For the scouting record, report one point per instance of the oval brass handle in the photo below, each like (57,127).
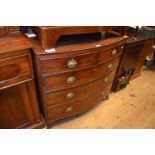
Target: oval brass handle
(110,66)
(71,63)
(114,52)
(102,93)
(106,79)
(70,95)
(71,80)
(69,109)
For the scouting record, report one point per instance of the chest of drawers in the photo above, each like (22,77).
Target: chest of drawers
(18,100)
(74,78)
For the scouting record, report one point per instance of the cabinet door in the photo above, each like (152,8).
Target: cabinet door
(16,107)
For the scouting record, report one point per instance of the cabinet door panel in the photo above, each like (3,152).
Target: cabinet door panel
(15,107)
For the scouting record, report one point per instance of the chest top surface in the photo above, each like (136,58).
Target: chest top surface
(78,43)
(14,43)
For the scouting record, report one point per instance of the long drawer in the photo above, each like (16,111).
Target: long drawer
(15,69)
(75,78)
(70,95)
(67,110)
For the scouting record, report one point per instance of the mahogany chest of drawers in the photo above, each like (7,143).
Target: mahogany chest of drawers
(75,77)
(18,100)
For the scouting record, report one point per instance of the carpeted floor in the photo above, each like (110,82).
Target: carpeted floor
(132,107)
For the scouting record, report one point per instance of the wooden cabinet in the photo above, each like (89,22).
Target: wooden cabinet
(146,50)
(128,65)
(138,46)
(76,76)
(18,106)
(18,99)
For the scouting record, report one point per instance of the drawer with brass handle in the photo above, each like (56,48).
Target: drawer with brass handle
(75,78)
(105,55)
(63,111)
(50,65)
(72,94)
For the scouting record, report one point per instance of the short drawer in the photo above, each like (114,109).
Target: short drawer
(67,110)
(70,95)
(64,64)
(104,55)
(15,69)
(75,78)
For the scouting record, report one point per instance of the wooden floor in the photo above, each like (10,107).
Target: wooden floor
(132,107)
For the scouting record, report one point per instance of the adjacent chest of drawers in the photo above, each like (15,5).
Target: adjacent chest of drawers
(74,78)
(18,100)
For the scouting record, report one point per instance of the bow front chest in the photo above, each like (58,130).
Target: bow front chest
(73,77)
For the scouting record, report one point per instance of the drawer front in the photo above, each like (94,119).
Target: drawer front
(70,95)
(110,53)
(72,79)
(60,65)
(67,110)
(14,70)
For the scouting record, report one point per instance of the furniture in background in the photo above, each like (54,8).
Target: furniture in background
(138,45)
(127,67)
(76,74)
(49,35)
(18,99)
(148,32)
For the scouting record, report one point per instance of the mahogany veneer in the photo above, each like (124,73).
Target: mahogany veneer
(18,98)
(75,77)
(8,30)
(49,35)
